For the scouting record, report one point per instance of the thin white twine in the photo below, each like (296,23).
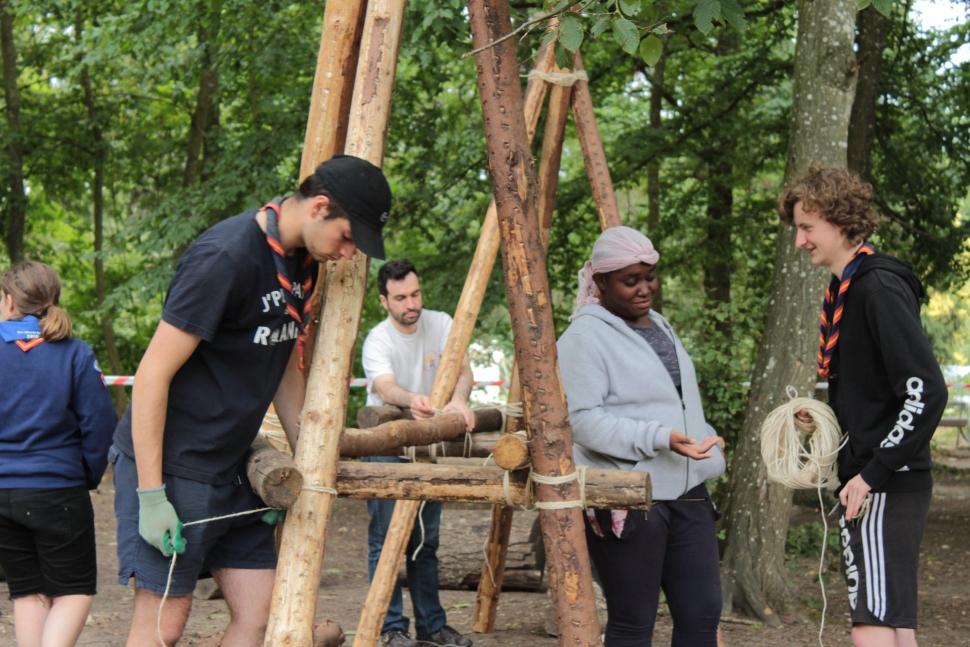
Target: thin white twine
(417,550)
(800,454)
(171,566)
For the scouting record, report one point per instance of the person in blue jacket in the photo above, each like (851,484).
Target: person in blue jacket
(56,422)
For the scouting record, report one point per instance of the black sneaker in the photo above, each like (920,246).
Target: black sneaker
(400,639)
(447,637)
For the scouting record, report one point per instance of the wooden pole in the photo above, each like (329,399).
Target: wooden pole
(477,483)
(304,533)
(327,120)
(523,258)
(397,434)
(470,302)
(593,155)
(512,452)
(273,475)
(487,419)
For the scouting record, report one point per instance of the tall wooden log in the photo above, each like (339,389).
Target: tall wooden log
(523,258)
(512,452)
(476,483)
(550,159)
(470,302)
(304,533)
(327,120)
(593,155)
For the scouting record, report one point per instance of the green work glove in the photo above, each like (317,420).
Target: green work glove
(273,517)
(157,522)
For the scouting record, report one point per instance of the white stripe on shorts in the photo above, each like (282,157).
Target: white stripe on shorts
(874,555)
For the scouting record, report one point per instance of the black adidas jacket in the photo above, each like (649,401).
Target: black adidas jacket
(885,384)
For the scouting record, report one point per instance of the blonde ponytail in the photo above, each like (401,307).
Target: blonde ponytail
(56,324)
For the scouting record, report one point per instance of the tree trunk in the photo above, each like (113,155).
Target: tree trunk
(873,30)
(17,203)
(514,187)
(653,168)
(303,538)
(717,261)
(99,160)
(754,575)
(206,100)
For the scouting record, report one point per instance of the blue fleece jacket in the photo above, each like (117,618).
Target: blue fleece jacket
(56,417)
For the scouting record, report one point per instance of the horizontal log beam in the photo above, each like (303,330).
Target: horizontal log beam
(424,482)
(487,419)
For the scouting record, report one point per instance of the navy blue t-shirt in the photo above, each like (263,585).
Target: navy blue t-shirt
(225,291)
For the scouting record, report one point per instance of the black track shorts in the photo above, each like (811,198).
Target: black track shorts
(880,558)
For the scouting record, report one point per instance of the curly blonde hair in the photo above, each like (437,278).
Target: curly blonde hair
(837,195)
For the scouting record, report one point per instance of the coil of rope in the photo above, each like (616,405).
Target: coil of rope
(800,442)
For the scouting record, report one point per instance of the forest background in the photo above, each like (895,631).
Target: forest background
(130,127)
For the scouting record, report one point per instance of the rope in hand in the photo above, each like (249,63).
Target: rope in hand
(800,441)
(171,566)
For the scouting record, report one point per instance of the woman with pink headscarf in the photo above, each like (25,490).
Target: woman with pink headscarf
(634,404)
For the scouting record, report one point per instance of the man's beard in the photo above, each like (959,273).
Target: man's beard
(403,317)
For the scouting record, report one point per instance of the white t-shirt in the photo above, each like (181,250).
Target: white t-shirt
(411,359)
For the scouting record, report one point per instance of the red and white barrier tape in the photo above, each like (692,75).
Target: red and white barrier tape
(357,382)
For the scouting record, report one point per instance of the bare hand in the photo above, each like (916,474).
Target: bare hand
(421,407)
(852,496)
(462,408)
(685,445)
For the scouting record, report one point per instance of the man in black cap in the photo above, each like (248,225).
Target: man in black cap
(229,343)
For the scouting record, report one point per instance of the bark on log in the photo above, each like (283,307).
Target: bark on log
(523,258)
(328,118)
(426,482)
(593,155)
(304,532)
(273,475)
(372,416)
(402,521)
(492,572)
(398,434)
(489,419)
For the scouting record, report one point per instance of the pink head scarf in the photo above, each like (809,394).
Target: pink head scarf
(616,248)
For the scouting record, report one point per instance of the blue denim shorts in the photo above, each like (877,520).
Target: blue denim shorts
(242,542)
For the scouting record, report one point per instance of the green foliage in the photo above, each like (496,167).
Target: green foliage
(805,540)
(726,101)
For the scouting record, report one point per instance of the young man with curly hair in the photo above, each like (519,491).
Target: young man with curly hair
(887,391)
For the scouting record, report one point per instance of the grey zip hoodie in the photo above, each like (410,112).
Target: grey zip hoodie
(623,404)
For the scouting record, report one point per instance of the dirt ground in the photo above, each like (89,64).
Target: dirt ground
(944,584)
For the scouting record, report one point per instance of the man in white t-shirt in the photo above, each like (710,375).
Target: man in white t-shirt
(401,355)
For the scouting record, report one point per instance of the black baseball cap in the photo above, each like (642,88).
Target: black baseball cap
(363,192)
